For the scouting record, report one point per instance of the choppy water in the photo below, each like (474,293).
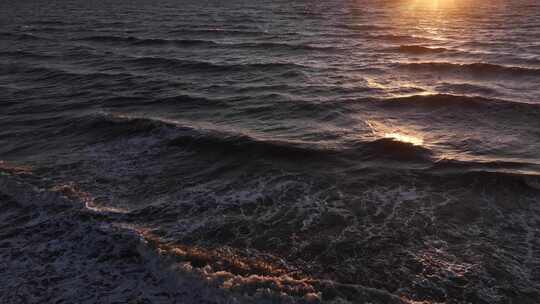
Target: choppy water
(280,151)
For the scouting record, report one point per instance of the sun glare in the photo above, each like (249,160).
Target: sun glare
(432,4)
(402,134)
(417,141)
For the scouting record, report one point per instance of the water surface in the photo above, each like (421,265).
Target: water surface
(364,150)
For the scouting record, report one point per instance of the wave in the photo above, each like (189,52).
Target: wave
(389,148)
(509,174)
(57,74)
(217,31)
(235,143)
(148,41)
(190,136)
(24,54)
(50,22)
(398,38)
(135,41)
(49,224)
(283,46)
(215,140)
(419,50)
(449,164)
(21,36)
(467,88)
(199,66)
(182,101)
(474,69)
(243,144)
(366,27)
(98,246)
(456,101)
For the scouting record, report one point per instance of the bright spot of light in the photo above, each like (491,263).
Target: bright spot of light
(417,141)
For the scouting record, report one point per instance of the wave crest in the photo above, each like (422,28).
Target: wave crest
(473,69)
(418,49)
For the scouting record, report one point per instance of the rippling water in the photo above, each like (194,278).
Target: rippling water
(280,151)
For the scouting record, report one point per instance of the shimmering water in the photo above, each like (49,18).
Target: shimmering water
(273,150)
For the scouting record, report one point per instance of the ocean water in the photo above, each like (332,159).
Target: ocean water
(270,151)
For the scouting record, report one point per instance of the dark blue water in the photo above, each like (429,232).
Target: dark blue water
(286,151)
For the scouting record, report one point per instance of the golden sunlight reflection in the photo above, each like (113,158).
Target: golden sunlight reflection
(402,134)
(417,141)
(398,87)
(433,4)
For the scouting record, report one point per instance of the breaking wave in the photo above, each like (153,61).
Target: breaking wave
(54,224)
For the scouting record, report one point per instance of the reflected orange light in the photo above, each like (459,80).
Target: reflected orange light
(402,134)
(433,4)
(417,141)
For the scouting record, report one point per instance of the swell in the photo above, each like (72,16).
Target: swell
(419,49)
(457,102)
(244,145)
(148,41)
(200,66)
(135,41)
(21,36)
(239,144)
(188,136)
(449,165)
(24,54)
(366,27)
(467,88)
(50,22)
(388,148)
(55,74)
(234,143)
(283,46)
(183,101)
(397,38)
(474,69)
(508,175)
(217,32)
